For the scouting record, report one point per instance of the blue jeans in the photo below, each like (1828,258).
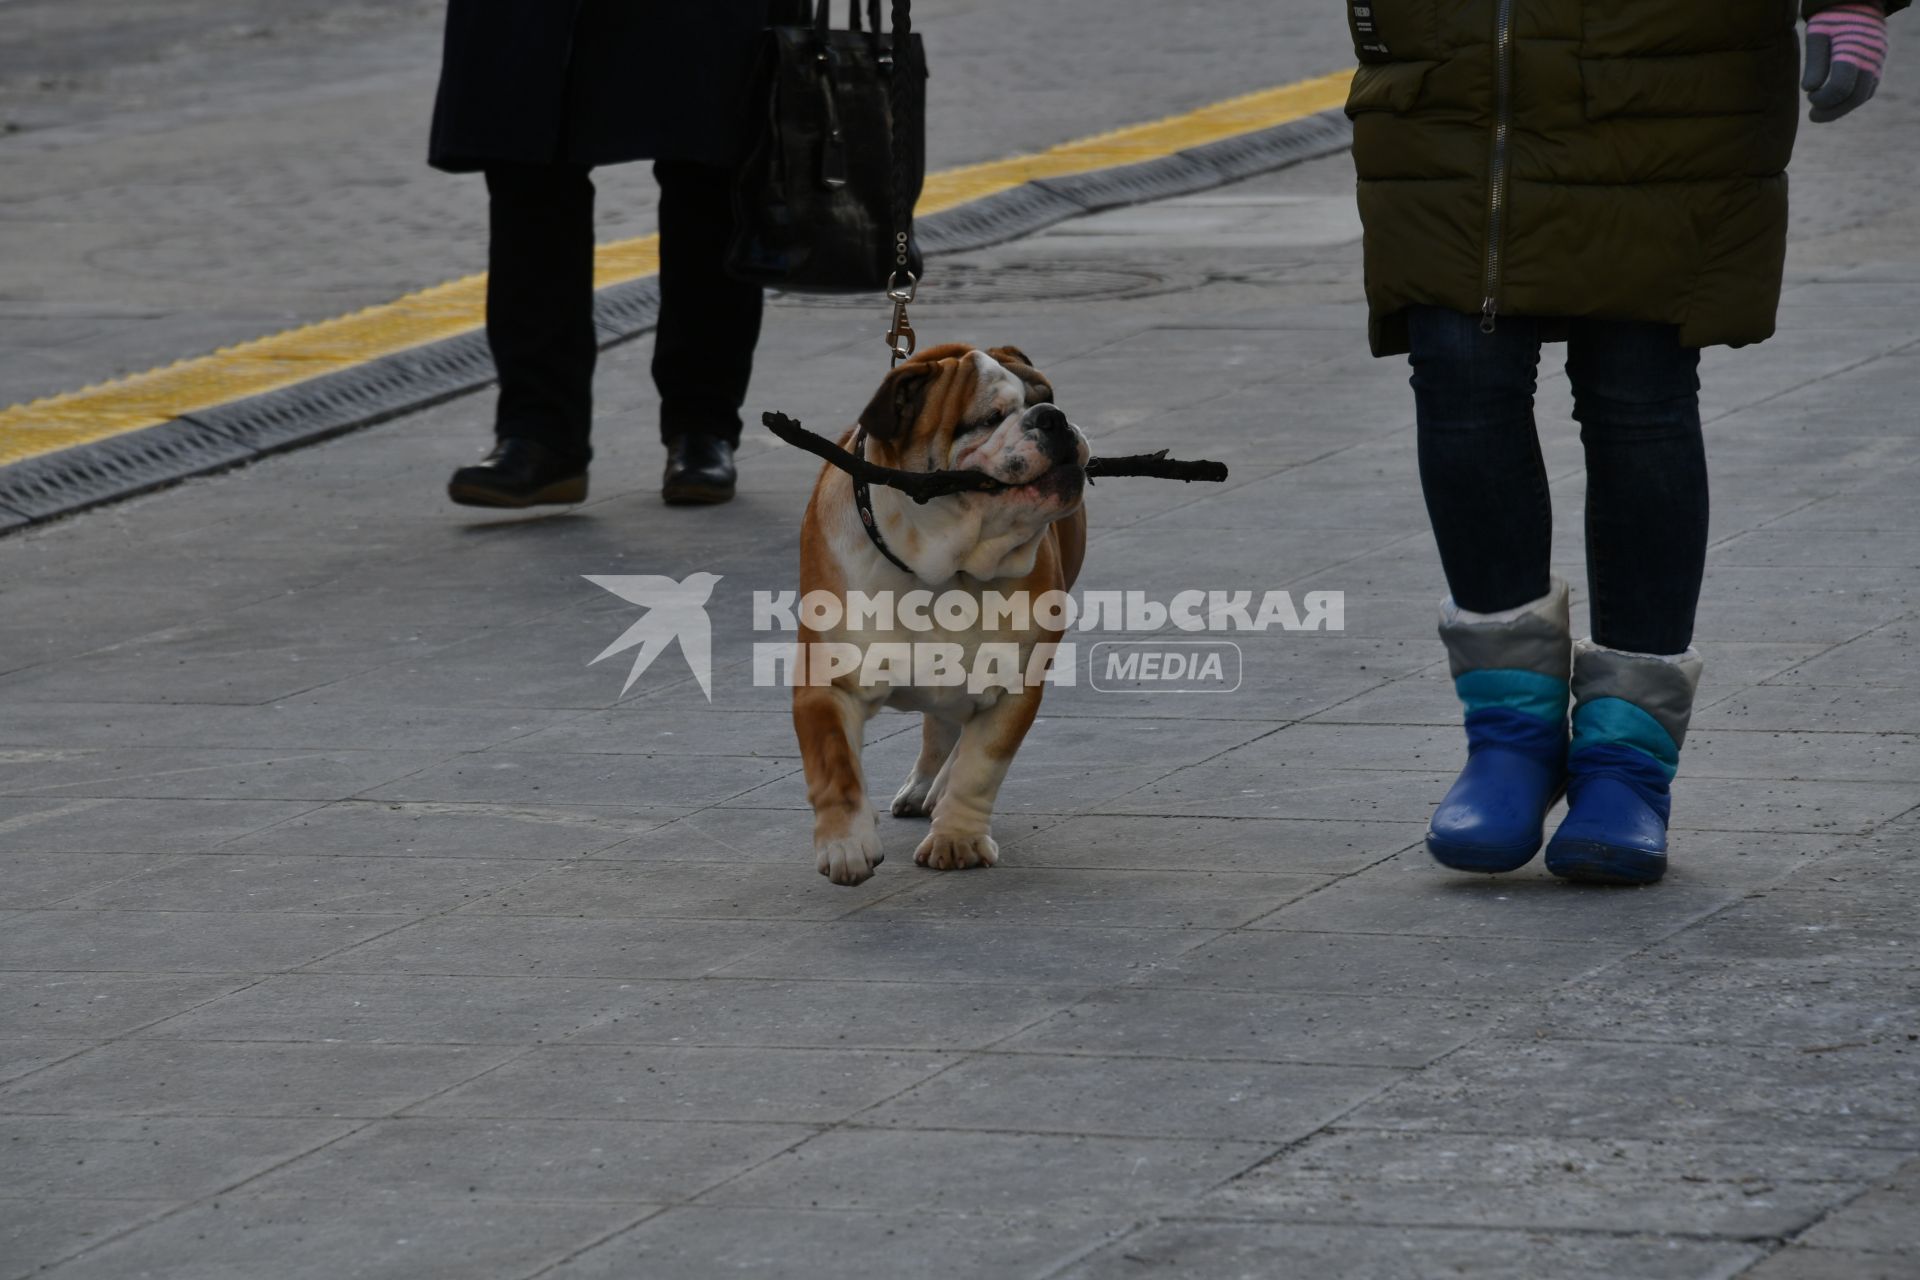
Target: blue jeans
(1636,394)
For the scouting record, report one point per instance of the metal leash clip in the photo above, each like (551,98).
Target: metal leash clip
(901,339)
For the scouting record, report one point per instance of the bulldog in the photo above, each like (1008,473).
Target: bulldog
(949,407)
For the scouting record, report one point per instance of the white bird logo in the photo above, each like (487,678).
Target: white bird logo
(674,610)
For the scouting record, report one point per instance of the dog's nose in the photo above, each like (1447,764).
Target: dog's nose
(1050,424)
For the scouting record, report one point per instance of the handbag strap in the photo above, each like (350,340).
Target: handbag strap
(823,16)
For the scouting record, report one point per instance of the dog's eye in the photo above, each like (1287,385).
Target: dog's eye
(987,423)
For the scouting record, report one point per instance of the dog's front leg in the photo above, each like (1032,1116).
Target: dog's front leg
(831,725)
(963,814)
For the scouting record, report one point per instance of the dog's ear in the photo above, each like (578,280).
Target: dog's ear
(897,403)
(1020,365)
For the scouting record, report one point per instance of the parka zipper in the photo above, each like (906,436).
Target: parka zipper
(1497,165)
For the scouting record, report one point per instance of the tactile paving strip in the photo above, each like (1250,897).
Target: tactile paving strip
(353,398)
(227,435)
(1308,138)
(1174,175)
(117,467)
(995,219)
(624,311)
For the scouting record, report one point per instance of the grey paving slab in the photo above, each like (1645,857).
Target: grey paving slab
(529,946)
(1219,1251)
(1787,809)
(855,1012)
(1870,514)
(1798,1263)
(167,1159)
(880,1169)
(1294,846)
(1300,789)
(421,1161)
(155,773)
(1859,1096)
(1812,1004)
(1405,896)
(98,1006)
(912,1242)
(1275,1026)
(1828,756)
(1789,707)
(1879,1222)
(226,662)
(1179,899)
(1835,550)
(36,1232)
(42,879)
(1133,1097)
(60,939)
(1746,1190)
(515,827)
(158,1078)
(264,882)
(724,834)
(1380,964)
(1791,924)
(761,1085)
(1882,657)
(628,890)
(306,1239)
(624,731)
(96,825)
(585,779)
(21,1057)
(397,1008)
(88,723)
(946,951)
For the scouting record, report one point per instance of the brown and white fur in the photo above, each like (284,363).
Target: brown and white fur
(949,407)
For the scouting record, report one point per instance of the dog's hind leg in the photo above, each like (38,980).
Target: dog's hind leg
(969,784)
(921,791)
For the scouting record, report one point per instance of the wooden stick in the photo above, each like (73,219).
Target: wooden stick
(922,486)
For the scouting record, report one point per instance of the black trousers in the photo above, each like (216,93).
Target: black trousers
(1636,395)
(540,305)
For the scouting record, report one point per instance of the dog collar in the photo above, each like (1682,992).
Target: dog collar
(863,503)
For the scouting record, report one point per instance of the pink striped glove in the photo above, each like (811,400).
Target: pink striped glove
(1846,50)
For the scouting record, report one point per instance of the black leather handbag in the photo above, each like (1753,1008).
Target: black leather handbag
(824,201)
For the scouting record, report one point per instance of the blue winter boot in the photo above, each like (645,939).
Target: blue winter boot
(1630,717)
(1510,670)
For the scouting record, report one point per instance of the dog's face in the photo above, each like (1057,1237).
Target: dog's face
(956,407)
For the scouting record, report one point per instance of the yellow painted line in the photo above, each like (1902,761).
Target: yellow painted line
(458,306)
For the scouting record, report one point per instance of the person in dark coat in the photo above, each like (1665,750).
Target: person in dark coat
(1611,175)
(538,93)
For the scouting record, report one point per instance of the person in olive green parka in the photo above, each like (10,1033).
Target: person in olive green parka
(1612,174)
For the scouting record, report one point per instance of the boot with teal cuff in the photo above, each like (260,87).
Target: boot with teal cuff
(1510,670)
(1630,717)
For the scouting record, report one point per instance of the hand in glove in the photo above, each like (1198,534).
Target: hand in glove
(1846,49)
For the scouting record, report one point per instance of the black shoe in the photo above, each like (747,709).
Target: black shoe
(519,473)
(699,470)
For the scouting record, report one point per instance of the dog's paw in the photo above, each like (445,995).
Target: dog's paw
(951,851)
(915,799)
(850,858)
